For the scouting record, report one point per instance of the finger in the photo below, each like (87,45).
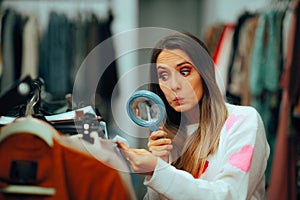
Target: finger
(159,142)
(124,150)
(161,148)
(122,145)
(157,132)
(157,135)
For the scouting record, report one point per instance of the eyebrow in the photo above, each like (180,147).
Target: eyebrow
(178,65)
(160,67)
(185,62)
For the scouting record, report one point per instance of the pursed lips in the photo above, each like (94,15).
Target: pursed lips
(178,100)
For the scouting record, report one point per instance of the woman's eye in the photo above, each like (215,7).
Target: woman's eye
(185,71)
(163,76)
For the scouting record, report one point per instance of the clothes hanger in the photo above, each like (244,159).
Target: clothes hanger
(23,189)
(29,124)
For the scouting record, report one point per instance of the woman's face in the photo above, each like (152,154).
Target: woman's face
(179,79)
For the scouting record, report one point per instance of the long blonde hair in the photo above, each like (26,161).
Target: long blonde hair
(191,152)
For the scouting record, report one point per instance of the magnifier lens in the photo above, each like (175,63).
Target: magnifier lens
(146,109)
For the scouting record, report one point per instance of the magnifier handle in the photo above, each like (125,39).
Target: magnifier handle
(154,128)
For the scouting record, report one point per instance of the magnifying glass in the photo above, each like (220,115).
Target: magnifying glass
(146,109)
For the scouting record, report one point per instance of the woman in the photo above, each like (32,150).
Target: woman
(207,148)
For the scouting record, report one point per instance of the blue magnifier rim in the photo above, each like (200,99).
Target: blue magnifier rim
(154,125)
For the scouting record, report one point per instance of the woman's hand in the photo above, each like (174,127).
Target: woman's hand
(159,145)
(140,161)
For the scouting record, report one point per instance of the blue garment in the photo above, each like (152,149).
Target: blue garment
(55,56)
(264,73)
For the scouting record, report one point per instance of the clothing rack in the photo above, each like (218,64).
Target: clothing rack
(26,93)
(79,34)
(274,109)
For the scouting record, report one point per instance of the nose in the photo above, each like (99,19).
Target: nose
(175,83)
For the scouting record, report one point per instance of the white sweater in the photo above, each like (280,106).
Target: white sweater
(235,172)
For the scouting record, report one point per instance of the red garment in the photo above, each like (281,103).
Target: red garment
(216,52)
(226,29)
(72,174)
(203,171)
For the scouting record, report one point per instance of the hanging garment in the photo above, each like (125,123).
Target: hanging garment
(238,65)
(31,160)
(79,31)
(101,69)
(30,52)
(9,21)
(265,65)
(212,36)
(106,152)
(282,181)
(222,60)
(264,73)
(55,56)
